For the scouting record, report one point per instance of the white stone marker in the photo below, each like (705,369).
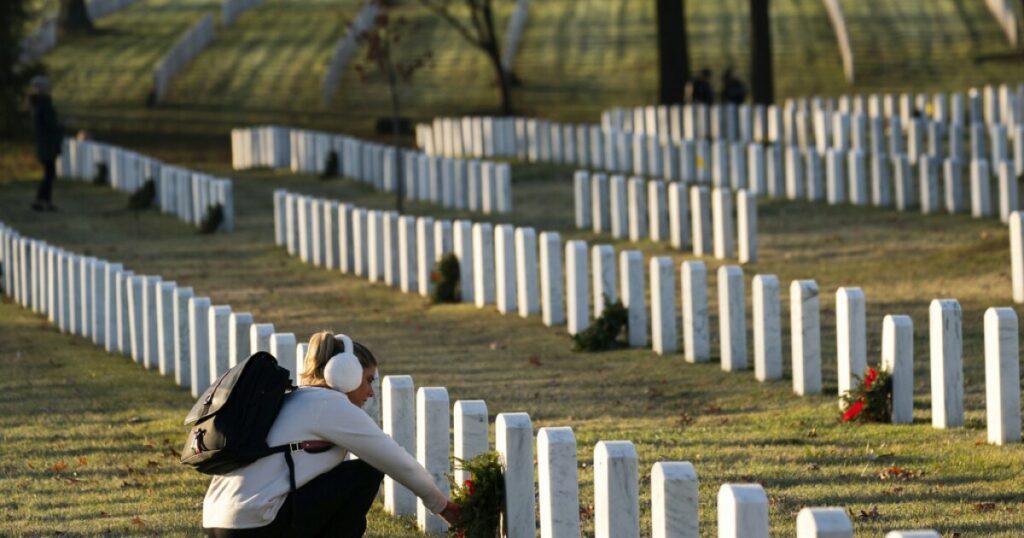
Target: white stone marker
(72,288)
(432,449)
(805,334)
(577,296)
(953,187)
(552,296)
(1002,376)
(84,276)
(398,412)
(721,213)
(674,500)
(732,319)
(1017,255)
(304,217)
(360,249)
(700,220)
(505,268)
(99,294)
(637,209)
(981,192)
(1007,189)
(835,171)
(150,342)
(664,325)
(182,337)
(317,240)
(483,264)
(657,211)
(199,347)
(425,255)
(947,370)
(133,293)
(239,338)
(375,245)
(282,347)
(858,174)
(851,337)
(619,218)
(881,186)
(696,333)
(462,235)
(746,223)
(470,434)
(678,215)
(407,243)
(632,290)
(604,286)
(742,511)
(913,534)
(528,299)
(823,523)
(220,340)
(259,337)
(600,203)
(928,168)
(557,483)
(616,490)
(390,250)
(166,332)
(513,440)
(898,360)
(767,328)
(583,199)
(346,238)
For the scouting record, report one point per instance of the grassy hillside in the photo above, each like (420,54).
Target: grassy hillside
(730,426)
(577,57)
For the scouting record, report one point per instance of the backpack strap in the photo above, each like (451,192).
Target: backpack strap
(313,447)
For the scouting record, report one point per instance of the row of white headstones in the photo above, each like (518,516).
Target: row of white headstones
(189,44)
(144,318)
(499,266)
(665,212)
(186,194)
(469,184)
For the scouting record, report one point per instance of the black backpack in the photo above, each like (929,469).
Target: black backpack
(229,423)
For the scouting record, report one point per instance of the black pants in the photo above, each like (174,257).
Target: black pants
(45,191)
(333,504)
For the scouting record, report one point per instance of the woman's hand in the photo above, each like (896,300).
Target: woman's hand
(451,513)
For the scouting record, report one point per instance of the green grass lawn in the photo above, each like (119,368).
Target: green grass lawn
(577,58)
(65,399)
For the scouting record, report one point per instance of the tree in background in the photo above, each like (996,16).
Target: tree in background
(479,32)
(14,76)
(673,51)
(74,17)
(381,58)
(762,80)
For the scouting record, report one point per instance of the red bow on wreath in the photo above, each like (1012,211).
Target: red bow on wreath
(858,406)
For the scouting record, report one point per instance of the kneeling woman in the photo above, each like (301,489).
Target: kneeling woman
(333,495)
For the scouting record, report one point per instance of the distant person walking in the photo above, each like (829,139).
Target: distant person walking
(700,90)
(733,89)
(49,139)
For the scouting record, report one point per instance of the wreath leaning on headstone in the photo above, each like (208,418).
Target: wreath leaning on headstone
(331,166)
(869,400)
(446,280)
(101,176)
(482,497)
(212,219)
(143,198)
(605,332)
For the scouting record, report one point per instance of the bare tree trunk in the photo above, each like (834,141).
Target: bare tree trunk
(673,51)
(74,17)
(396,138)
(494,52)
(762,81)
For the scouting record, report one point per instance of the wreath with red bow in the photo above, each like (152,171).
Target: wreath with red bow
(482,497)
(871,398)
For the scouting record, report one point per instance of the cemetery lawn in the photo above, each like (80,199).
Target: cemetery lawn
(268,67)
(65,399)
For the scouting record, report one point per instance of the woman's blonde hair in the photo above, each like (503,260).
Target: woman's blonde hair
(323,346)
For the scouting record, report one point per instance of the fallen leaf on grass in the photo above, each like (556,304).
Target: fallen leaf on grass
(82,460)
(984,507)
(586,512)
(685,420)
(58,467)
(103,514)
(30,466)
(534,360)
(152,463)
(137,521)
(712,408)
(861,515)
(898,473)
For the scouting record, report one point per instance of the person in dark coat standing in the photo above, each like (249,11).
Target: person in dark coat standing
(733,89)
(700,90)
(49,140)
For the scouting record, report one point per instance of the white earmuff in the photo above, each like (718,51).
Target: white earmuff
(343,371)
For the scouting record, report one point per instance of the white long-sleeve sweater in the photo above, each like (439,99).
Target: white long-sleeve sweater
(251,496)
